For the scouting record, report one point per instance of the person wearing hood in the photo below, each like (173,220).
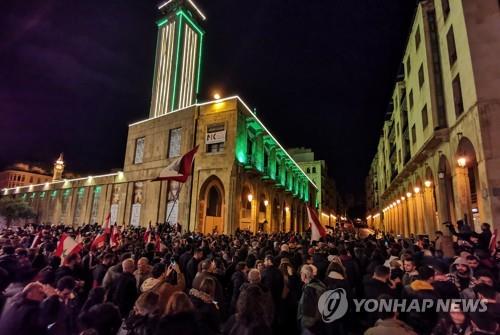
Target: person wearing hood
(207,309)
(461,274)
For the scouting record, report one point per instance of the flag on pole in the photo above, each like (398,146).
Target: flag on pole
(180,169)
(67,246)
(147,234)
(115,237)
(106,225)
(37,240)
(317,230)
(157,242)
(493,242)
(99,241)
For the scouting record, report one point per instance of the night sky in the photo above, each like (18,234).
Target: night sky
(74,74)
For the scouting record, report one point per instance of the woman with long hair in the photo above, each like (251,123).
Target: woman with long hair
(180,317)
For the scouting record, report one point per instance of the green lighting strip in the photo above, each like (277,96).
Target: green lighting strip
(174,90)
(161,22)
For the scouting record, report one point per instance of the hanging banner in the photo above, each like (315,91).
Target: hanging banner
(135,218)
(114,214)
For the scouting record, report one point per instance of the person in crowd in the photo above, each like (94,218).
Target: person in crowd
(100,269)
(410,269)
(388,323)
(70,267)
(180,317)
(162,283)
(272,278)
(206,307)
(104,319)
(379,283)
(461,274)
(145,316)
(238,278)
(250,317)
(307,312)
(192,267)
(143,271)
(123,290)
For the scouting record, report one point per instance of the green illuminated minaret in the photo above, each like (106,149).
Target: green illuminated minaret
(178,57)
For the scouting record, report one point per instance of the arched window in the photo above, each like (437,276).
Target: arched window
(214,202)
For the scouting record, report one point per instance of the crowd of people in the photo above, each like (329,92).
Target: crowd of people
(162,281)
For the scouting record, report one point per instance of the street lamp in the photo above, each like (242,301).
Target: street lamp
(250,197)
(416,189)
(398,201)
(266,202)
(216,96)
(462,161)
(427,183)
(402,198)
(408,195)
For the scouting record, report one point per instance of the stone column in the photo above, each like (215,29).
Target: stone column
(463,194)
(429,211)
(419,209)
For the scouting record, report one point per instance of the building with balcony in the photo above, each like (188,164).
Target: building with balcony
(21,174)
(242,176)
(438,157)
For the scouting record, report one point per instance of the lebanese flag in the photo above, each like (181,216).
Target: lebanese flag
(37,240)
(67,246)
(317,230)
(180,169)
(99,241)
(493,242)
(147,235)
(115,237)
(158,243)
(106,225)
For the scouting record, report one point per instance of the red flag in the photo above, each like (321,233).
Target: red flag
(37,240)
(157,243)
(106,225)
(99,241)
(147,235)
(79,238)
(115,237)
(67,246)
(493,242)
(317,230)
(180,169)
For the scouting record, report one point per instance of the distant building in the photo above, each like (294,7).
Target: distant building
(326,197)
(242,176)
(22,174)
(439,151)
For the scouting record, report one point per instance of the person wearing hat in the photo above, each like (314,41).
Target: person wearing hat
(461,274)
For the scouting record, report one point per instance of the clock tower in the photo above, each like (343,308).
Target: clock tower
(179,46)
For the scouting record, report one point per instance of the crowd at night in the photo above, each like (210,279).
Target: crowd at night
(160,281)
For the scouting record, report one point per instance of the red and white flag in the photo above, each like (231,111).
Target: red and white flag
(158,243)
(99,241)
(106,226)
(147,235)
(493,242)
(317,229)
(115,237)
(37,240)
(180,169)
(79,238)
(67,246)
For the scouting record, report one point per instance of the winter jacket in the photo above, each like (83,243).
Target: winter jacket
(23,318)
(390,326)
(181,323)
(307,313)
(207,311)
(139,325)
(164,289)
(272,278)
(422,321)
(234,327)
(123,293)
(237,279)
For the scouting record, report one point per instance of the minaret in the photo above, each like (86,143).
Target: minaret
(178,57)
(58,168)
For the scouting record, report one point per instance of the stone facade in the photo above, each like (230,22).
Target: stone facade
(438,157)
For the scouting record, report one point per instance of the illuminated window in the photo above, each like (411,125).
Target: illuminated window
(174,142)
(139,150)
(216,138)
